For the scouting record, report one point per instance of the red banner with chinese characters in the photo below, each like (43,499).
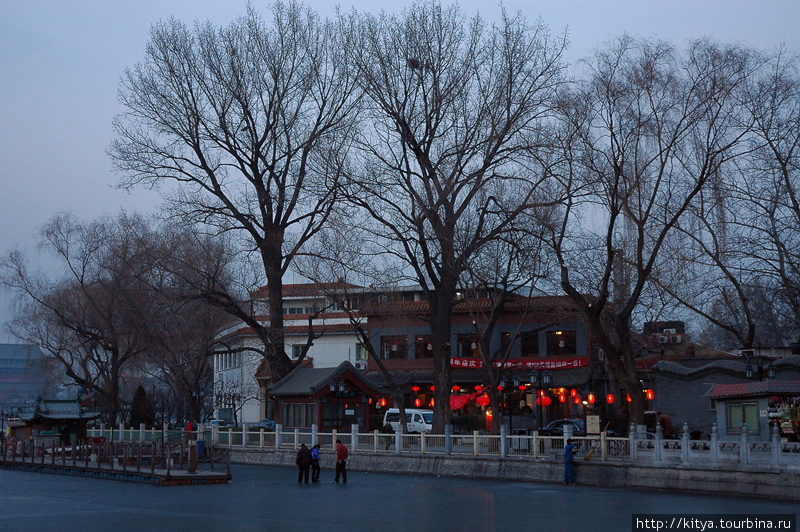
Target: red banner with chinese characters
(524,363)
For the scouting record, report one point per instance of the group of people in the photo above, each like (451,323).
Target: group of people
(308,459)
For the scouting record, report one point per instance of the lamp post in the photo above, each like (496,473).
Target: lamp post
(749,370)
(540,379)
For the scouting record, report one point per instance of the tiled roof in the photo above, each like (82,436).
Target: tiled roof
(766,387)
(307,381)
(731,365)
(304,289)
(58,410)
(534,305)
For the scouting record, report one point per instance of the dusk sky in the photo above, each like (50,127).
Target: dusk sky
(61,61)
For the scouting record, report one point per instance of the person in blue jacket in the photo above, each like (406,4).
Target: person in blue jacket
(315,469)
(569,461)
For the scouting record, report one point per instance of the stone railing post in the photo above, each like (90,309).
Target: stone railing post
(314,434)
(503,441)
(776,446)
(685,444)
(744,457)
(398,439)
(245,427)
(714,445)
(141,432)
(535,444)
(448,439)
(354,436)
(632,441)
(603,446)
(658,446)
(121,432)
(215,434)
(278,436)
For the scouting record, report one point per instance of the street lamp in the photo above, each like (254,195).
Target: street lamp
(540,379)
(749,370)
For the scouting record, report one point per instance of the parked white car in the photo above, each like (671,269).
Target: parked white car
(418,420)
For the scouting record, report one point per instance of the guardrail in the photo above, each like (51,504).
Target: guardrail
(656,450)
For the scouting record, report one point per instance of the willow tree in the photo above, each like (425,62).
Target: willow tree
(454,108)
(247,126)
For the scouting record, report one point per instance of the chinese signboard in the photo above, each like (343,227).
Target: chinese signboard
(524,363)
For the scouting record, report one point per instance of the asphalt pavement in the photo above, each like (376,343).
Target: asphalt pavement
(269,498)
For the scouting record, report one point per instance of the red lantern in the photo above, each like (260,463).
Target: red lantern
(629,398)
(417,402)
(577,399)
(370,400)
(590,398)
(523,387)
(562,398)
(478,387)
(573,392)
(432,388)
(649,394)
(456,388)
(383,401)
(483,400)
(610,399)
(543,401)
(431,403)
(415,389)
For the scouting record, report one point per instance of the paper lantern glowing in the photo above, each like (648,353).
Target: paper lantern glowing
(415,389)
(543,401)
(483,400)
(562,398)
(573,392)
(456,388)
(590,398)
(417,402)
(629,398)
(383,401)
(610,399)
(649,394)
(577,399)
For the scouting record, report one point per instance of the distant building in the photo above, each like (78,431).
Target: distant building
(25,374)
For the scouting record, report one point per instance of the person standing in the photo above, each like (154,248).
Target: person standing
(569,462)
(303,463)
(315,469)
(341,462)
(667,428)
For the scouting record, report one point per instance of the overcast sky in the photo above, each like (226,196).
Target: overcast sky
(61,61)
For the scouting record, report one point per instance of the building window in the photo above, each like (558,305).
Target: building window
(423,347)
(562,343)
(740,413)
(361,352)
(468,346)
(298,414)
(529,343)
(332,414)
(394,347)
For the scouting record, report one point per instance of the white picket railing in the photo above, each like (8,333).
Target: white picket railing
(757,454)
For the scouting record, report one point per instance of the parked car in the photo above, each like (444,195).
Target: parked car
(418,420)
(266,424)
(219,423)
(556,428)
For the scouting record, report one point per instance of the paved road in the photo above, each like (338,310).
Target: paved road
(269,498)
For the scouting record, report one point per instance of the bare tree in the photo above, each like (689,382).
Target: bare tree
(93,321)
(251,123)
(451,106)
(646,131)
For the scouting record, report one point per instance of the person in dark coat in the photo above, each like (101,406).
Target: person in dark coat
(569,462)
(303,462)
(315,469)
(341,462)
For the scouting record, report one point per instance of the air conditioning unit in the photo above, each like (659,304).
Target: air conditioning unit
(676,339)
(361,365)
(670,331)
(663,339)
